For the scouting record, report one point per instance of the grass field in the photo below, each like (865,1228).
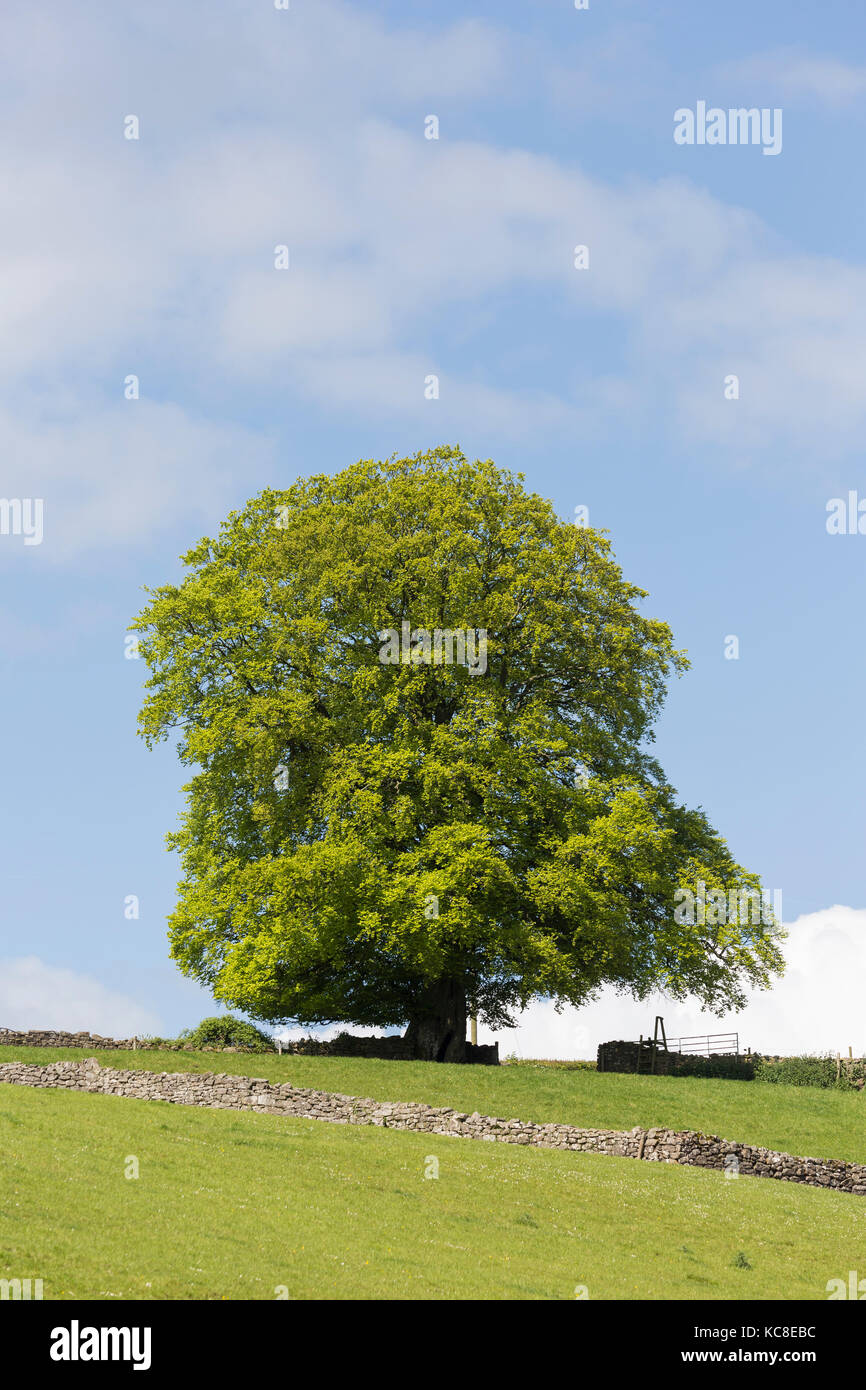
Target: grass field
(796,1119)
(233,1205)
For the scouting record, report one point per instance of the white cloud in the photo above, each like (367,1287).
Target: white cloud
(393,384)
(327,1033)
(156,257)
(793,73)
(113,475)
(817,1006)
(34,995)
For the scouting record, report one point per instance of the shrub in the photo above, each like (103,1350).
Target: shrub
(721,1065)
(811,1070)
(224,1030)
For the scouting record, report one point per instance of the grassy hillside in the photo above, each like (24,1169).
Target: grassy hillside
(233,1205)
(796,1119)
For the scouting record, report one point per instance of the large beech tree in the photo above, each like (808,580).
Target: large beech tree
(404,844)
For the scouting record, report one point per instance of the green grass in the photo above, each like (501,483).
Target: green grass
(233,1205)
(795,1119)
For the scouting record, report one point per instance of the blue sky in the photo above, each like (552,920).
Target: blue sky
(410,256)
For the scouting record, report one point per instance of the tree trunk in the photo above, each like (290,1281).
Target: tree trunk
(437,1028)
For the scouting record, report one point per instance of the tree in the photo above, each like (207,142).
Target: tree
(405,842)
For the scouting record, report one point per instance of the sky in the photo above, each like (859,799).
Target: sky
(696,383)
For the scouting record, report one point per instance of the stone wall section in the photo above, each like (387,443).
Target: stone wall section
(389,1049)
(623,1057)
(221,1091)
(49,1037)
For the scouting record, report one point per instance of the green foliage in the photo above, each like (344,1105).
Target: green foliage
(812,1070)
(722,1065)
(223,1030)
(523,801)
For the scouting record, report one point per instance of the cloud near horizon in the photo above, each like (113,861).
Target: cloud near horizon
(34,995)
(817,1005)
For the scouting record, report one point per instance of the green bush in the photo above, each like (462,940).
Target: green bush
(224,1030)
(811,1070)
(721,1066)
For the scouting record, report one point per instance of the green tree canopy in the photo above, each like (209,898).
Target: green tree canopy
(392,843)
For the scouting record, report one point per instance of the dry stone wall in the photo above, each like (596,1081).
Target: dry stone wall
(251,1093)
(623,1056)
(50,1038)
(389,1049)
